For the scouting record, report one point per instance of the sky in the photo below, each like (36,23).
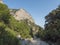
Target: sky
(37,8)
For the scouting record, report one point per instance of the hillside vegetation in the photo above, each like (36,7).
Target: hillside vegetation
(51,33)
(10,28)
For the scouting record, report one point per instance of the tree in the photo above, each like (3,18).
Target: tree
(4,13)
(7,35)
(52,26)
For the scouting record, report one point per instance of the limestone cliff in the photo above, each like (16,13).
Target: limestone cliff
(21,14)
(1,1)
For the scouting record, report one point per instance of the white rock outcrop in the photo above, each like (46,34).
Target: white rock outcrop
(1,1)
(22,14)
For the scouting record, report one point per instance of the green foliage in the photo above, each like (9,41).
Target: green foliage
(52,26)
(10,27)
(7,35)
(21,27)
(41,33)
(4,13)
(3,7)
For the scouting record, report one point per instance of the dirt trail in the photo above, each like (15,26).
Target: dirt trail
(33,42)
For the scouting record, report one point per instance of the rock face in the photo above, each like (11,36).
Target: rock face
(21,14)
(1,1)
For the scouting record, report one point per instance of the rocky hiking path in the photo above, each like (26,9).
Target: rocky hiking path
(33,42)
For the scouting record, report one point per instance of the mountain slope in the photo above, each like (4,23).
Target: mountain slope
(21,14)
